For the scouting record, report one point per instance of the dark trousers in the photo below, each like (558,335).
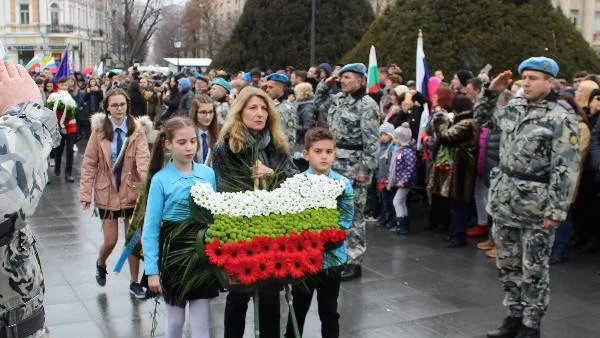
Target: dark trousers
(585,208)
(327,284)
(461,212)
(387,213)
(373,205)
(268,309)
(440,211)
(562,236)
(66,143)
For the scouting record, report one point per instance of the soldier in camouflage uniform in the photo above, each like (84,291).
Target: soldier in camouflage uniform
(353,119)
(531,188)
(219,91)
(27,134)
(276,84)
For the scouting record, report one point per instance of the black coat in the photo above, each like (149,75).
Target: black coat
(306,119)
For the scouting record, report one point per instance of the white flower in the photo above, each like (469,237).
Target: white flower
(296,194)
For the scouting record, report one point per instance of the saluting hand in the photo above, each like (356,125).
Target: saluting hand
(502,81)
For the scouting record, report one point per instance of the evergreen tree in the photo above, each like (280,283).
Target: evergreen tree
(465,34)
(276,33)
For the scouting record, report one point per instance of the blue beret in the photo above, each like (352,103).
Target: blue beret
(219,81)
(357,68)
(247,77)
(185,83)
(540,64)
(196,74)
(279,78)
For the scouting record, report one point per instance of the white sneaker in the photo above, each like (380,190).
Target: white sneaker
(75,148)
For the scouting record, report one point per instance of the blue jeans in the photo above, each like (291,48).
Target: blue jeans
(562,236)
(460,219)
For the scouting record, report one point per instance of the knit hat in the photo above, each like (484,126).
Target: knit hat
(464,76)
(403,134)
(401,89)
(327,68)
(387,128)
(184,83)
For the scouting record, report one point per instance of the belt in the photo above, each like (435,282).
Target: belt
(349,147)
(7,228)
(525,177)
(26,327)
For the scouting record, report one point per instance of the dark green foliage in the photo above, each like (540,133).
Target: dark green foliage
(276,33)
(465,34)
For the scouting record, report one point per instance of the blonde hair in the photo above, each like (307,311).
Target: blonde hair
(582,95)
(234,126)
(303,91)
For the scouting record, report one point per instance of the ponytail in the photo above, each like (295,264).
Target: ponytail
(157,160)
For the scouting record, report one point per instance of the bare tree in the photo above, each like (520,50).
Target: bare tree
(169,29)
(135,21)
(202,30)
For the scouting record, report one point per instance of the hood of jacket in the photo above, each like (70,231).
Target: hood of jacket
(142,122)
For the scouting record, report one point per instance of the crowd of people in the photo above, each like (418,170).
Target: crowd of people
(493,159)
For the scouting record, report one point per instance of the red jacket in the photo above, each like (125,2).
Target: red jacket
(71,125)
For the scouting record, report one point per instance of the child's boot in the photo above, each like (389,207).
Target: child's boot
(404,227)
(396,225)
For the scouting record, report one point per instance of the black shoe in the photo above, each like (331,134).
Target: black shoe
(57,171)
(527,332)
(137,291)
(352,271)
(69,179)
(557,260)
(447,238)
(456,243)
(440,229)
(101,274)
(509,328)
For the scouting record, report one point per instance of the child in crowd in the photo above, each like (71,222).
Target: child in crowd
(402,175)
(202,112)
(168,205)
(319,151)
(387,216)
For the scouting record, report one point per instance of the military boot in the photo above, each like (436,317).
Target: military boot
(509,328)
(396,224)
(528,332)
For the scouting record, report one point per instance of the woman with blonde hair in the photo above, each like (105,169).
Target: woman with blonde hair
(582,94)
(252,146)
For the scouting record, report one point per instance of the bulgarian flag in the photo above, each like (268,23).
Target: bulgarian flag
(373,73)
(33,64)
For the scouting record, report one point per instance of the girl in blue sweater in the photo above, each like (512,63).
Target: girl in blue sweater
(168,204)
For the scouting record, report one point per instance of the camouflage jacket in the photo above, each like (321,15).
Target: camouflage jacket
(27,134)
(539,159)
(288,116)
(222,109)
(354,122)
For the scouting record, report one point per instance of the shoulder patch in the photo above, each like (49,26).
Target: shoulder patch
(573,139)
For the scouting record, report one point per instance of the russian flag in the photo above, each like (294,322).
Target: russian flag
(422,80)
(373,73)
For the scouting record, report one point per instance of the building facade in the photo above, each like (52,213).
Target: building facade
(46,27)
(585,15)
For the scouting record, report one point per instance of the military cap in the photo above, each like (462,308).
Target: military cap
(357,68)
(278,78)
(540,64)
(222,83)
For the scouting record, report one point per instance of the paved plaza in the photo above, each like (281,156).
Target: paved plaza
(411,287)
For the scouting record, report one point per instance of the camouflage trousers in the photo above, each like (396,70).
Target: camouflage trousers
(21,279)
(357,234)
(524,270)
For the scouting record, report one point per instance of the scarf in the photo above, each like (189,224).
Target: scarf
(259,143)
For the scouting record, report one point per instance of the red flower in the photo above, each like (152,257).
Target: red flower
(264,267)
(333,236)
(262,244)
(283,246)
(297,266)
(246,271)
(314,262)
(281,267)
(233,250)
(297,242)
(312,241)
(215,253)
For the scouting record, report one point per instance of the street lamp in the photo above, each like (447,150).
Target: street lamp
(177,45)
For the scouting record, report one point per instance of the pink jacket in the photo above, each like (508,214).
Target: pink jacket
(97,175)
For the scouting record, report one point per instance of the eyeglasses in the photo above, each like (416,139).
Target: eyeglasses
(205,112)
(118,105)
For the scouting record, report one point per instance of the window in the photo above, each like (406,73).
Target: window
(597,23)
(575,16)
(54,12)
(24,14)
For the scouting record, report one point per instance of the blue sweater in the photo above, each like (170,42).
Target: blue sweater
(168,200)
(339,256)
